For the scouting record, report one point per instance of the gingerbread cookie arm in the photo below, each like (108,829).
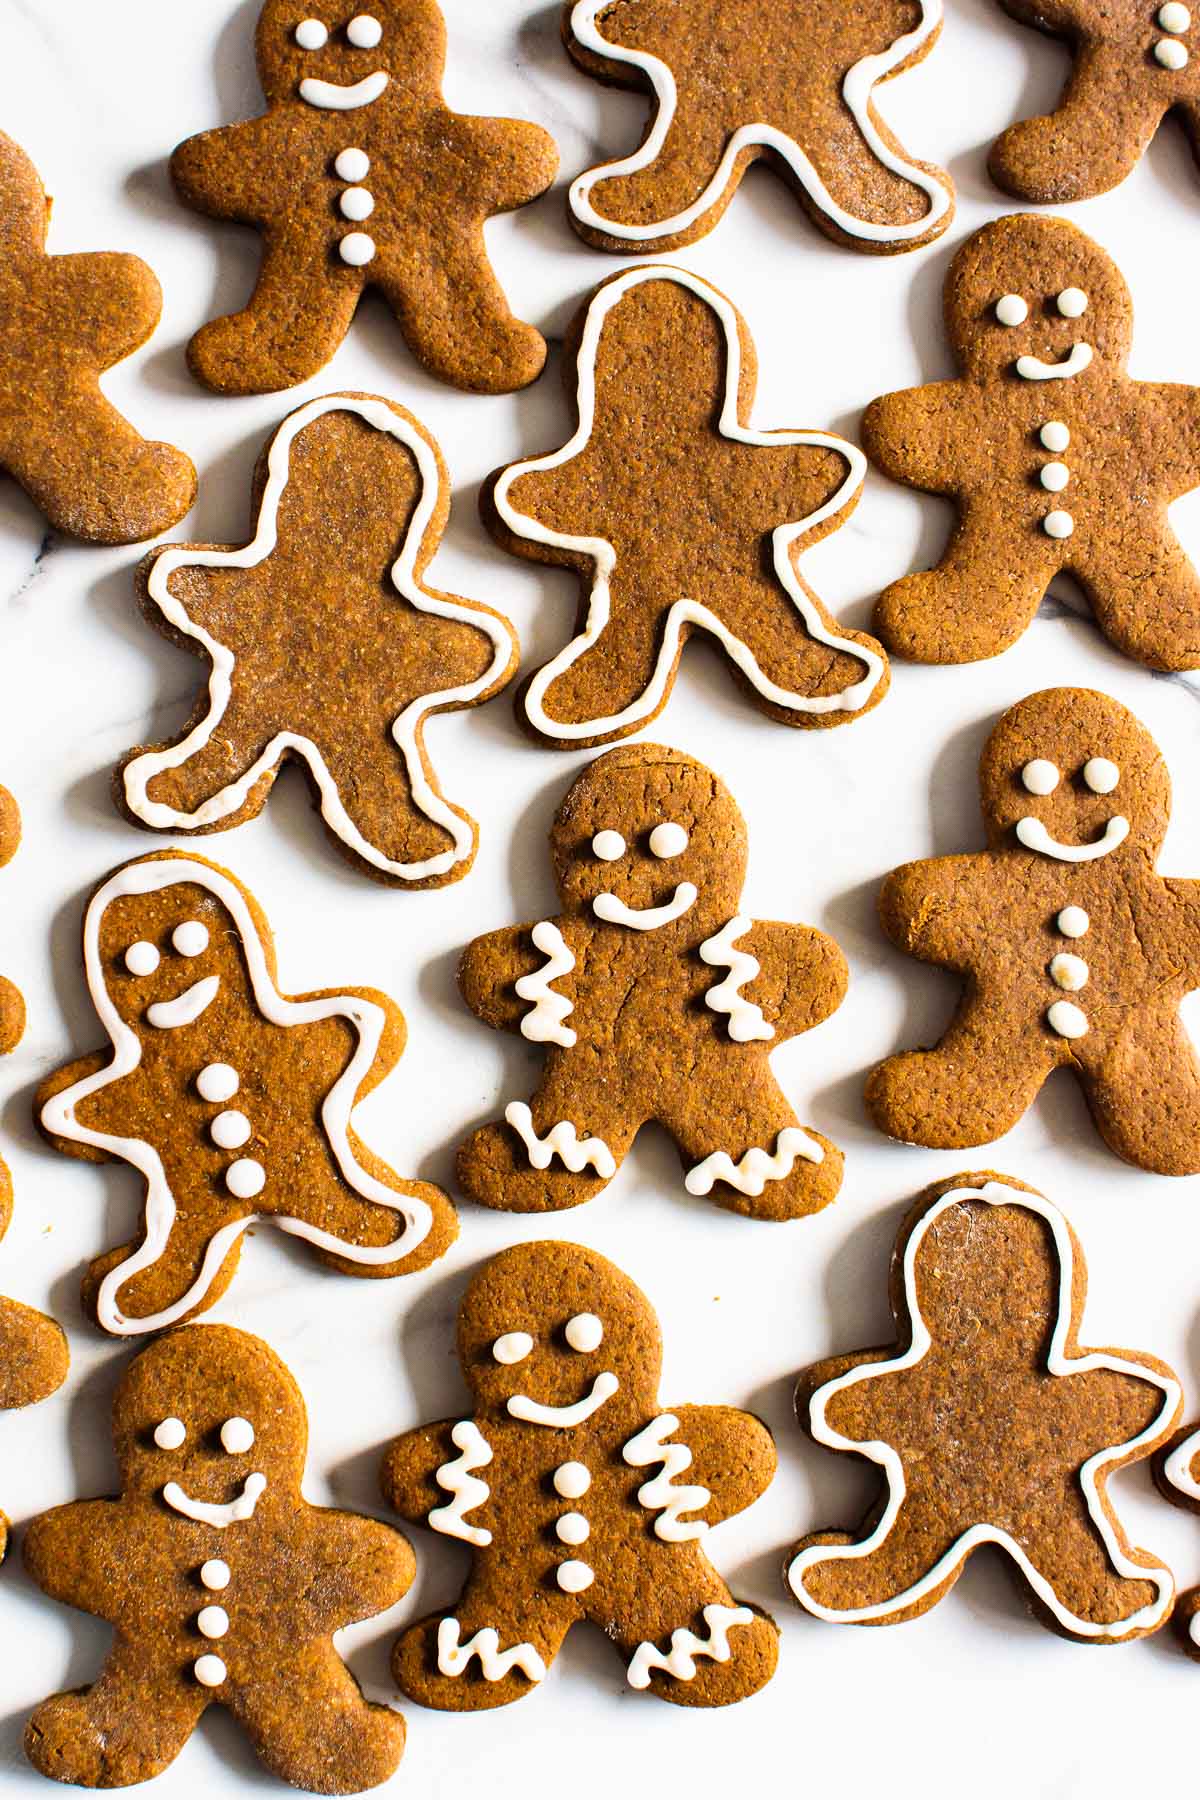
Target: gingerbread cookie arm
(1065,155)
(357,1568)
(491,967)
(510,161)
(916,436)
(1168,414)
(232,172)
(732,1459)
(84,1555)
(930,909)
(408,1473)
(801,979)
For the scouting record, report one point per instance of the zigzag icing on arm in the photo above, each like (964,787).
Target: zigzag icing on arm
(680,1660)
(660,1494)
(467,1490)
(746,1020)
(544,1025)
(454,1657)
(751,1175)
(563,1141)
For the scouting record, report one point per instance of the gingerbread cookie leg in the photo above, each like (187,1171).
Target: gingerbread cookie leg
(308,1719)
(457,322)
(845,1579)
(141,1289)
(861,194)
(682,173)
(548,1155)
(948,1098)
(716,1653)
(299,312)
(460,1662)
(1145,561)
(960,611)
(128,1727)
(1078,151)
(1145,1096)
(750,1155)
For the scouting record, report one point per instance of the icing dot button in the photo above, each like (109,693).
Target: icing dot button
(572,1529)
(142,958)
(190,938)
(608,846)
(1055,436)
(1171,54)
(513,1347)
(212,1621)
(1067,1019)
(209,1671)
(215,1575)
(352,164)
(217,1082)
(237,1436)
(230,1130)
(1101,775)
(245,1178)
(311,34)
(572,1480)
(1039,776)
(1055,476)
(584,1332)
(574,1576)
(1073,922)
(364,32)
(357,249)
(1011,309)
(1069,972)
(1174,16)
(357,203)
(1058,524)
(170,1434)
(1072,303)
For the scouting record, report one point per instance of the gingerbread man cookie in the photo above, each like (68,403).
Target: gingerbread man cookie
(655,998)
(64,320)
(12,1003)
(679,517)
(991,1426)
(34,1357)
(1132,65)
(326,646)
(359,176)
(565,1482)
(1057,461)
(223,1585)
(764,78)
(233,1101)
(1177,1472)
(1072,951)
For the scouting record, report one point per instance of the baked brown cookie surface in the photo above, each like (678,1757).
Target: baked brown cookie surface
(359,176)
(12,1001)
(567,1482)
(1177,1472)
(990,1425)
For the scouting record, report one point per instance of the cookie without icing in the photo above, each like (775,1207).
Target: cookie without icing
(64,320)
(1073,953)
(222,1584)
(679,517)
(359,176)
(233,1101)
(1133,62)
(655,998)
(990,1425)
(579,1497)
(326,646)
(760,78)
(1057,461)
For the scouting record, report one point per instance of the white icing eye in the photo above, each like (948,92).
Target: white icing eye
(311,34)
(513,1347)
(364,32)
(584,1332)
(245,1178)
(1072,303)
(608,845)
(352,165)
(217,1082)
(170,1434)
(237,1436)
(1101,775)
(230,1130)
(1174,16)
(668,840)
(1011,309)
(190,938)
(142,958)
(1039,776)
(1055,436)
(1171,55)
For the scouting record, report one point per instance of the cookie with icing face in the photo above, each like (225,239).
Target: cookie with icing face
(360,177)
(232,1100)
(679,517)
(990,1425)
(326,646)
(222,1584)
(64,320)
(579,1496)
(731,84)
(655,998)
(1056,460)
(1133,61)
(1071,950)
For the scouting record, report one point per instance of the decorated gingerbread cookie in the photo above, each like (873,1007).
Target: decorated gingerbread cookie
(655,998)
(678,517)
(12,1003)
(1057,461)
(1132,62)
(64,320)
(325,645)
(359,176)
(34,1358)
(579,1497)
(1177,1472)
(232,1101)
(990,1425)
(730,84)
(1073,953)
(222,1584)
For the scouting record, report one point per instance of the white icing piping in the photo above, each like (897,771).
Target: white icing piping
(1058,1362)
(751,1175)
(231,1512)
(613,910)
(467,1490)
(495,1663)
(544,1025)
(1032,368)
(683,611)
(857,92)
(1033,834)
(746,1020)
(660,1494)
(533,1412)
(1177,1469)
(406,728)
(563,1142)
(680,1661)
(336,96)
(186,1008)
(58,1114)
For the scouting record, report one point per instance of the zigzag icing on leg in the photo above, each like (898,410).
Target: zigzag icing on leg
(680,1660)
(454,1657)
(751,1175)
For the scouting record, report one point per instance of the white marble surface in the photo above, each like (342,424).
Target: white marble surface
(975,1694)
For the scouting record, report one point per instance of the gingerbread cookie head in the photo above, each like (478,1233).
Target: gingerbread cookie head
(1039,297)
(340,60)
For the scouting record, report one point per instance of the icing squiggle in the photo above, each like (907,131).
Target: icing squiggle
(660,1494)
(746,1020)
(467,1490)
(563,1141)
(454,1657)
(186,1008)
(544,1025)
(680,1660)
(613,910)
(751,1175)
(535,1412)
(1032,368)
(335,96)
(230,1512)
(1033,834)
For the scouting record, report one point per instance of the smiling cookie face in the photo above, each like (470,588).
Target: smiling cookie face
(339,58)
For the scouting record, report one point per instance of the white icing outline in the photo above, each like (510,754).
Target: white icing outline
(857,92)
(660,1494)
(613,910)
(406,727)
(1058,1362)
(1033,834)
(545,1023)
(463,1485)
(534,1412)
(1032,368)
(58,1114)
(337,96)
(682,611)
(680,1660)
(562,1141)
(752,1172)
(185,1008)
(746,1021)
(454,1657)
(229,1512)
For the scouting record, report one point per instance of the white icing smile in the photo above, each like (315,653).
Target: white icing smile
(534,1413)
(231,1512)
(332,96)
(645,918)
(1032,368)
(1034,836)
(186,1008)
